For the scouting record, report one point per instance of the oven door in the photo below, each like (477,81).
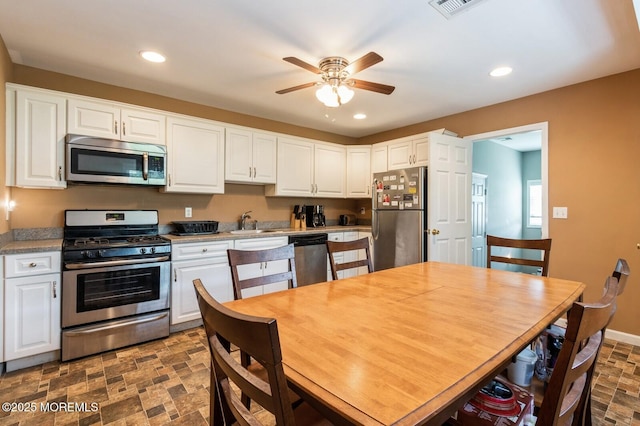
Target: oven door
(110,161)
(97,294)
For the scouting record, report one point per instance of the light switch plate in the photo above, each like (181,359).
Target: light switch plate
(560,213)
(188,212)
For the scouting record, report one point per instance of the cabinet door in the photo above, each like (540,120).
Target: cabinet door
(260,269)
(142,126)
(421,151)
(359,172)
(214,274)
(33,305)
(330,170)
(93,119)
(400,154)
(40,131)
(379,158)
(195,158)
(264,158)
(239,156)
(295,168)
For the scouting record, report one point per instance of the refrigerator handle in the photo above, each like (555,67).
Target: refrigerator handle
(374,211)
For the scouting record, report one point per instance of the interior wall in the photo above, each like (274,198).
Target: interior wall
(6,70)
(531,170)
(503,168)
(45,208)
(594,146)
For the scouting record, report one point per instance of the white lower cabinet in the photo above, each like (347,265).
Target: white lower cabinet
(206,261)
(362,254)
(347,256)
(32,304)
(260,269)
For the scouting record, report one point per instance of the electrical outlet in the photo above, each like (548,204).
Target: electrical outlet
(560,213)
(188,212)
(362,210)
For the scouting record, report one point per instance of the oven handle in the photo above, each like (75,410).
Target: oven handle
(117,325)
(115,263)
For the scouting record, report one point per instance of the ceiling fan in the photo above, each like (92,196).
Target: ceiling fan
(336,84)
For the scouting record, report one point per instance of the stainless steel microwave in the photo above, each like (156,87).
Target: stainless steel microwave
(98,160)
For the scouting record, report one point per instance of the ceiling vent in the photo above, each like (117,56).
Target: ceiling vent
(450,8)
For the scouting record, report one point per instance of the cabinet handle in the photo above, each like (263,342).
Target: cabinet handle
(249,171)
(55,294)
(115,127)
(169,180)
(124,129)
(265,265)
(175,275)
(59,172)
(254,172)
(33,265)
(204,250)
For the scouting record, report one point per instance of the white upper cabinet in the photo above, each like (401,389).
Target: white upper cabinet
(359,171)
(195,156)
(309,169)
(39,140)
(110,120)
(330,170)
(408,152)
(295,168)
(379,157)
(250,156)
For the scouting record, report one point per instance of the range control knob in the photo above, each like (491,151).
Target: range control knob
(88,254)
(153,249)
(143,250)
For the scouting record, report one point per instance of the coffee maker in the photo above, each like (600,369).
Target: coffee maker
(315,216)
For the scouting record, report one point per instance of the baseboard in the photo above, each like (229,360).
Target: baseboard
(619,336)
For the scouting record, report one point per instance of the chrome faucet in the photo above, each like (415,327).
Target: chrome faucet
(243,219)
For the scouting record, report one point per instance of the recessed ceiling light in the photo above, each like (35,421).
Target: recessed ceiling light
(501,71)
(360,116)
(152,56)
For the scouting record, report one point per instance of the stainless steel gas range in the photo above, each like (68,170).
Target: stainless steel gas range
(115,280)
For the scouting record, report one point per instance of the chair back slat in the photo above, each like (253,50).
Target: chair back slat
(566,396)
(542,245)
(335,247)
(248,257)
(256,336)
(621,273)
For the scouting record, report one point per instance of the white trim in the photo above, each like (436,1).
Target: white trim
(619,336)
(544,160)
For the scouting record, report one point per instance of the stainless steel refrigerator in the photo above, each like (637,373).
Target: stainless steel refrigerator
(399,217)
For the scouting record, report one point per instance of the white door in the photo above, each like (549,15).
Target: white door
(33,304)
(264,158)
(216,278)
(40,131)
(479,220)
(195,156)
(449,206)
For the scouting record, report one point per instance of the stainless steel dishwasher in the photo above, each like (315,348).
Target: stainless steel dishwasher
(311,258)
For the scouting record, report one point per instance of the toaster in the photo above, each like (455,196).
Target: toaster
(347,219)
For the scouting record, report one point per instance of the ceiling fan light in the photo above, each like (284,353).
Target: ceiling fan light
(345,94)
(327,96)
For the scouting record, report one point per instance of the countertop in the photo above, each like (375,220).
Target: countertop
(34,246)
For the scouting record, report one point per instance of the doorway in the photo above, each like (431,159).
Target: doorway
(506,162)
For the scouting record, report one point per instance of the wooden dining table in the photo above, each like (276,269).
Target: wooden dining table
(407,345)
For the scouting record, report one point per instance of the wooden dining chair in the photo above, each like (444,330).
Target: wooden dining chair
(621,273)
(334,247)
(542,246)
(258,337)
(247,257)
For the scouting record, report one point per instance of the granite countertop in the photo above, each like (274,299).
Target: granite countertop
(55,244)
(276,232)
(31,246)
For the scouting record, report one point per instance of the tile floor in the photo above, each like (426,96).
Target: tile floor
(167,381)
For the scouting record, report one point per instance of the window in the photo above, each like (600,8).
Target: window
(534,204)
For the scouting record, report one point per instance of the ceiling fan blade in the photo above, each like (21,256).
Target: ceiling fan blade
(302,64)
(365,62)
(291,89)
(374,87)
